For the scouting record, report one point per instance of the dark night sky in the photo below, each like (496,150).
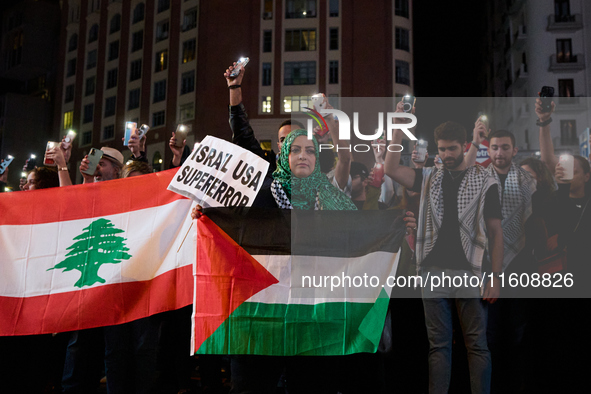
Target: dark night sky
(447,43)
(448,40)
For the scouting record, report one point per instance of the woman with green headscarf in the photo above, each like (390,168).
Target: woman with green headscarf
(298,182)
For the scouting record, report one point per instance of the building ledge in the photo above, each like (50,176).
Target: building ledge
(576,63)
(560,23)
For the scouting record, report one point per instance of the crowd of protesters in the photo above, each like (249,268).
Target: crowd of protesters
(461,218)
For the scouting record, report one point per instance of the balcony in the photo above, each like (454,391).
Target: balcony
(521,76)
(562,23)
(574,63)
(520,37)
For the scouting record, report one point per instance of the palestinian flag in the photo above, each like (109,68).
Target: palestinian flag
(93,255)
(265,281)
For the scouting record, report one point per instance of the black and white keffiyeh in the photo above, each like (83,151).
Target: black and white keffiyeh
(281,197)
(471,199)
(516,202)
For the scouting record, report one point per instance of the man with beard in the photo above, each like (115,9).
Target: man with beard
(459,210)
(108,167)
(507,323)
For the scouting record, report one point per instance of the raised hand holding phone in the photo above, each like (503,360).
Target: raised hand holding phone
(235,73)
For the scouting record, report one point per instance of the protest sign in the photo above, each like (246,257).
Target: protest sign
(220,174)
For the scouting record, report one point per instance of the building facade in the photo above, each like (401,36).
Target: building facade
(536,43)
(160,62)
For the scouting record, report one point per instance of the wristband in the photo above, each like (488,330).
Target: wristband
(545,123)
(62,168)
(234,86)
(475,144)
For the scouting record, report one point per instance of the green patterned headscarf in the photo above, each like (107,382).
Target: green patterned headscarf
(302,192)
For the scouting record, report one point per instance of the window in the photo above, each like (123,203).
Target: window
(91,59)
(402,39)
(89,86)
(68,119)
(73,43)
(333,71)
(190,19)
(402,72)
(114,50)
(188,82)
(333,8)
(564,51)
(86,138)
(108,132)
(266,80)
(299,73)
(268,41)
(162,30)
(562,10)
(300,40)
(88,113)
(295,103)
(71,67)
(566,91)
(69,96)
(135,70)
(161,61)
(266,104)
(94,5)
(187,112)
(163,5)
(401,8)
(138,13)
(15,51)
(268,10)
(134,99)
(110,103)
(93,33)
(112,78)
(189,51)
(300,9)
(568,132)
(334,39)
(158,118)
(115,24)
(159,91)
(137,41)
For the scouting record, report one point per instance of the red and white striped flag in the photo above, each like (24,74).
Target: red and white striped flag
(93,255)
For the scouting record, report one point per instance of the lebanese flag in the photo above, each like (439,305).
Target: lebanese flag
(94,255)
(251,288)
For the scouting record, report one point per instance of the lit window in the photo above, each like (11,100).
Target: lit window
(267,104)
(68,119)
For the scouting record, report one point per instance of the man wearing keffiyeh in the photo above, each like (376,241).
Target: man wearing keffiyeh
(507,318)
(459,214)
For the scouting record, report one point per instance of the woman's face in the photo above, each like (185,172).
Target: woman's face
(302,157)
(31,182)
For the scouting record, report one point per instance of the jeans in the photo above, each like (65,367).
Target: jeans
(472,312)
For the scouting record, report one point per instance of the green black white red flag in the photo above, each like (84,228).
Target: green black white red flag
(265,281)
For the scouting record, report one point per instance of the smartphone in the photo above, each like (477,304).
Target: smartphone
(319,101)
(546,95)
(94,157)
(46,161)
(421,150)
(31,163)
(240,64)
(67,142)
(130,128)
(409,102)
(143,130)
(486,121)
(568,162)
(4,165)
(180,135)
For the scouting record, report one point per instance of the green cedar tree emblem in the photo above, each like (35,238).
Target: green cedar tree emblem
(97,245)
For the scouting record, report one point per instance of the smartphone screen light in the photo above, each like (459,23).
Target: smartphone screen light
(33,156)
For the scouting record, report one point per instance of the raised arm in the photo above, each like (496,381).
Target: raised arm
(401,174)
(546,145)
(477,137)
(343,166)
